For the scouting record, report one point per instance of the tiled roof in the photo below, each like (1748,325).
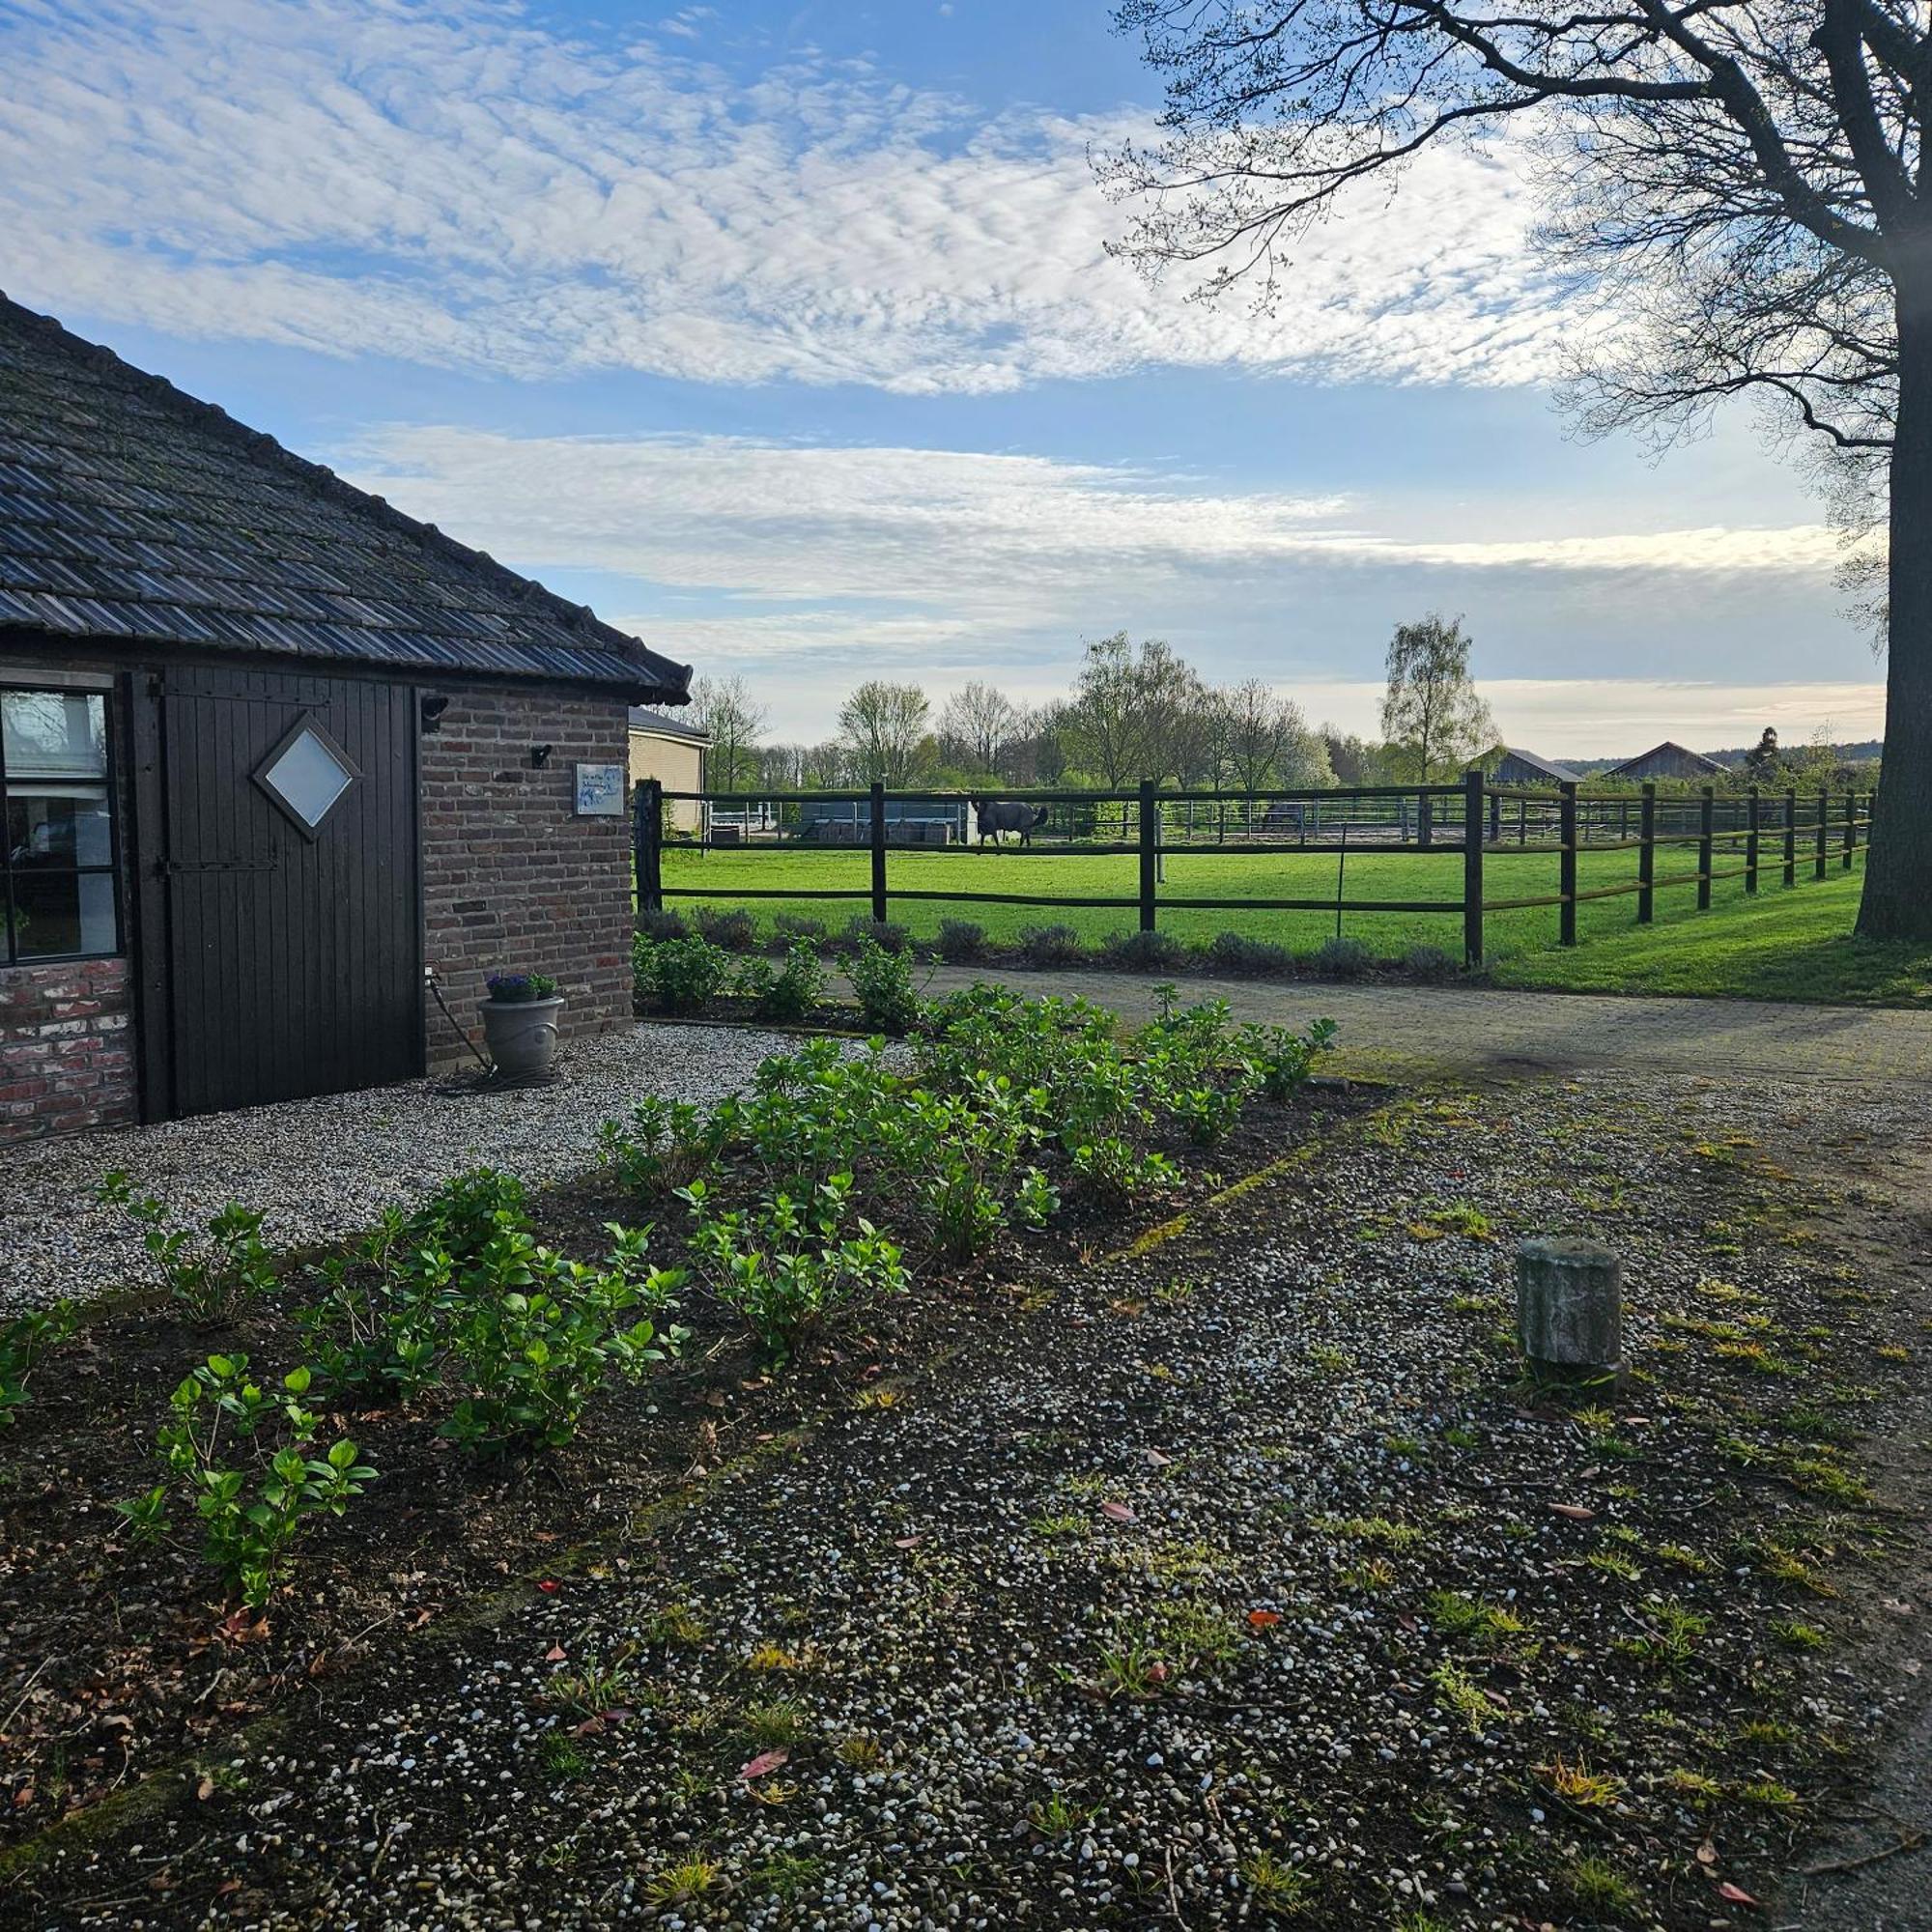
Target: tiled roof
(1562,773)
(131,511)
(645,720)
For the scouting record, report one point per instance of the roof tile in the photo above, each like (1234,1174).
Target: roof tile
(128,509)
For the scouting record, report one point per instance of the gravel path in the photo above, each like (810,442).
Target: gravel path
(324,1168)
(1478,1029)
(867,1684)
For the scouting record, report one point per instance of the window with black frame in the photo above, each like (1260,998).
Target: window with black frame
(57,892)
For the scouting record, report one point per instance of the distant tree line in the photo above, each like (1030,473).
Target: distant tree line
(1140,710)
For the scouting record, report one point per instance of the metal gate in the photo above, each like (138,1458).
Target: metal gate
(277,859)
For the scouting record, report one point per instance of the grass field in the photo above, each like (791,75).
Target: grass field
(1782,945)
(1208,874)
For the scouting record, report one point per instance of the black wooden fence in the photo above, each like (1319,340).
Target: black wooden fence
(1811,831)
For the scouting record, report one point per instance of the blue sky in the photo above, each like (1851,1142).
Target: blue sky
(784,336)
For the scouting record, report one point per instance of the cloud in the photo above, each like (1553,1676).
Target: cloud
(810,567)
(445,182)
(985,534)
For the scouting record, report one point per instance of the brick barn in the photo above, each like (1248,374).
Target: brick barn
(268,749)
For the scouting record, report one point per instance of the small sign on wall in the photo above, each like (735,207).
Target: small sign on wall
(600,791)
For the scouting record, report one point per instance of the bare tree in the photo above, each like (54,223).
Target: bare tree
(1264,741)
(1744,181)
(883,730)
(977,723)
(1136,711)
(724,707)
(1432,717)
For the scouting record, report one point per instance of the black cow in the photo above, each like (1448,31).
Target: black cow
(997,817)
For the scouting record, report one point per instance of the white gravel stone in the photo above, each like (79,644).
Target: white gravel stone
(324,1168)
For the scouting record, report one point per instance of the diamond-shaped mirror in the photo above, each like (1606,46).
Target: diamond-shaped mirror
(306,775)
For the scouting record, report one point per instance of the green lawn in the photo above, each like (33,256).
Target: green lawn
(1781,946)
(1792,945)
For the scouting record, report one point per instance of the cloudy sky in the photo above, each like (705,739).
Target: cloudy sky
(783,335)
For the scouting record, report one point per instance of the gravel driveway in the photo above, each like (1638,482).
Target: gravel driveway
(885,1677)
(324,1168)
(1478,1029)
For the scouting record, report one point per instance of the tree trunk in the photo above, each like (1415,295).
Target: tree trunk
(1897,902)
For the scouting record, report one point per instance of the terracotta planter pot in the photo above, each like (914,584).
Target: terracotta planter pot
(522,1033)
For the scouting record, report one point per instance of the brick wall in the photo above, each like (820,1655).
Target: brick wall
(513,881)
(66,1048)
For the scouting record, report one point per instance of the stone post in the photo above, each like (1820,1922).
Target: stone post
(1568,1304)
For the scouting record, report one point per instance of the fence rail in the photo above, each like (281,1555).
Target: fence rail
(1507,822)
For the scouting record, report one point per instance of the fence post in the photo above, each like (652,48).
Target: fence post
(1150,852)
(1567,862)
(1824,832)
(1706,813)
(1646,854)
(878,854)
(1851,826)
(1425,820)
(1472,866)
(1791,836)
(1751,823)
(648,843)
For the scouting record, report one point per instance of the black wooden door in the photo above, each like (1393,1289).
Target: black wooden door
(278,855)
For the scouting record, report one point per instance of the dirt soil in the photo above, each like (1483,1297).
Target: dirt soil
(1223,1572)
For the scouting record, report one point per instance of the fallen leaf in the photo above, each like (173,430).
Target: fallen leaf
(1116,1512)
(1736,1894)
(904,1542)
(205,1790)
(549,1586)
(554,1654)
(1156,1460)
(1263,1619)
(768,1760)
(1575,1512)
(1707,1853)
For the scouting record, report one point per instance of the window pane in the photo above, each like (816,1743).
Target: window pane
(63,912)
(307,777)
(58,825)
(53,734)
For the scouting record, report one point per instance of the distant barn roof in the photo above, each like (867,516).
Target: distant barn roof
(1671,753)
(131,511)
(1562,773)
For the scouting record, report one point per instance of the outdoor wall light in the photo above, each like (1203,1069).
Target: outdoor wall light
(434,705)
(539,755)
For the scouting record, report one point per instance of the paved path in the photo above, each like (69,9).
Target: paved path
(1473,1029)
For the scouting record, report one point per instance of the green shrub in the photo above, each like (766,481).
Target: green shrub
(882,979)
(788,994)
(794,926)
(1342,959)
(662,923)
(1283,1059)
(467,1212)
(1236,953)
(788,1264)
(1051,946)
(1144,952)
(532,1334)
(660,1145)
(962,1158)
(860,931)
(961,942)
(1114,1167)
(1429,963)
(735,930)
(23,1342)
(210,1280)
(252,1508)
(682,975)
(375,1329)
